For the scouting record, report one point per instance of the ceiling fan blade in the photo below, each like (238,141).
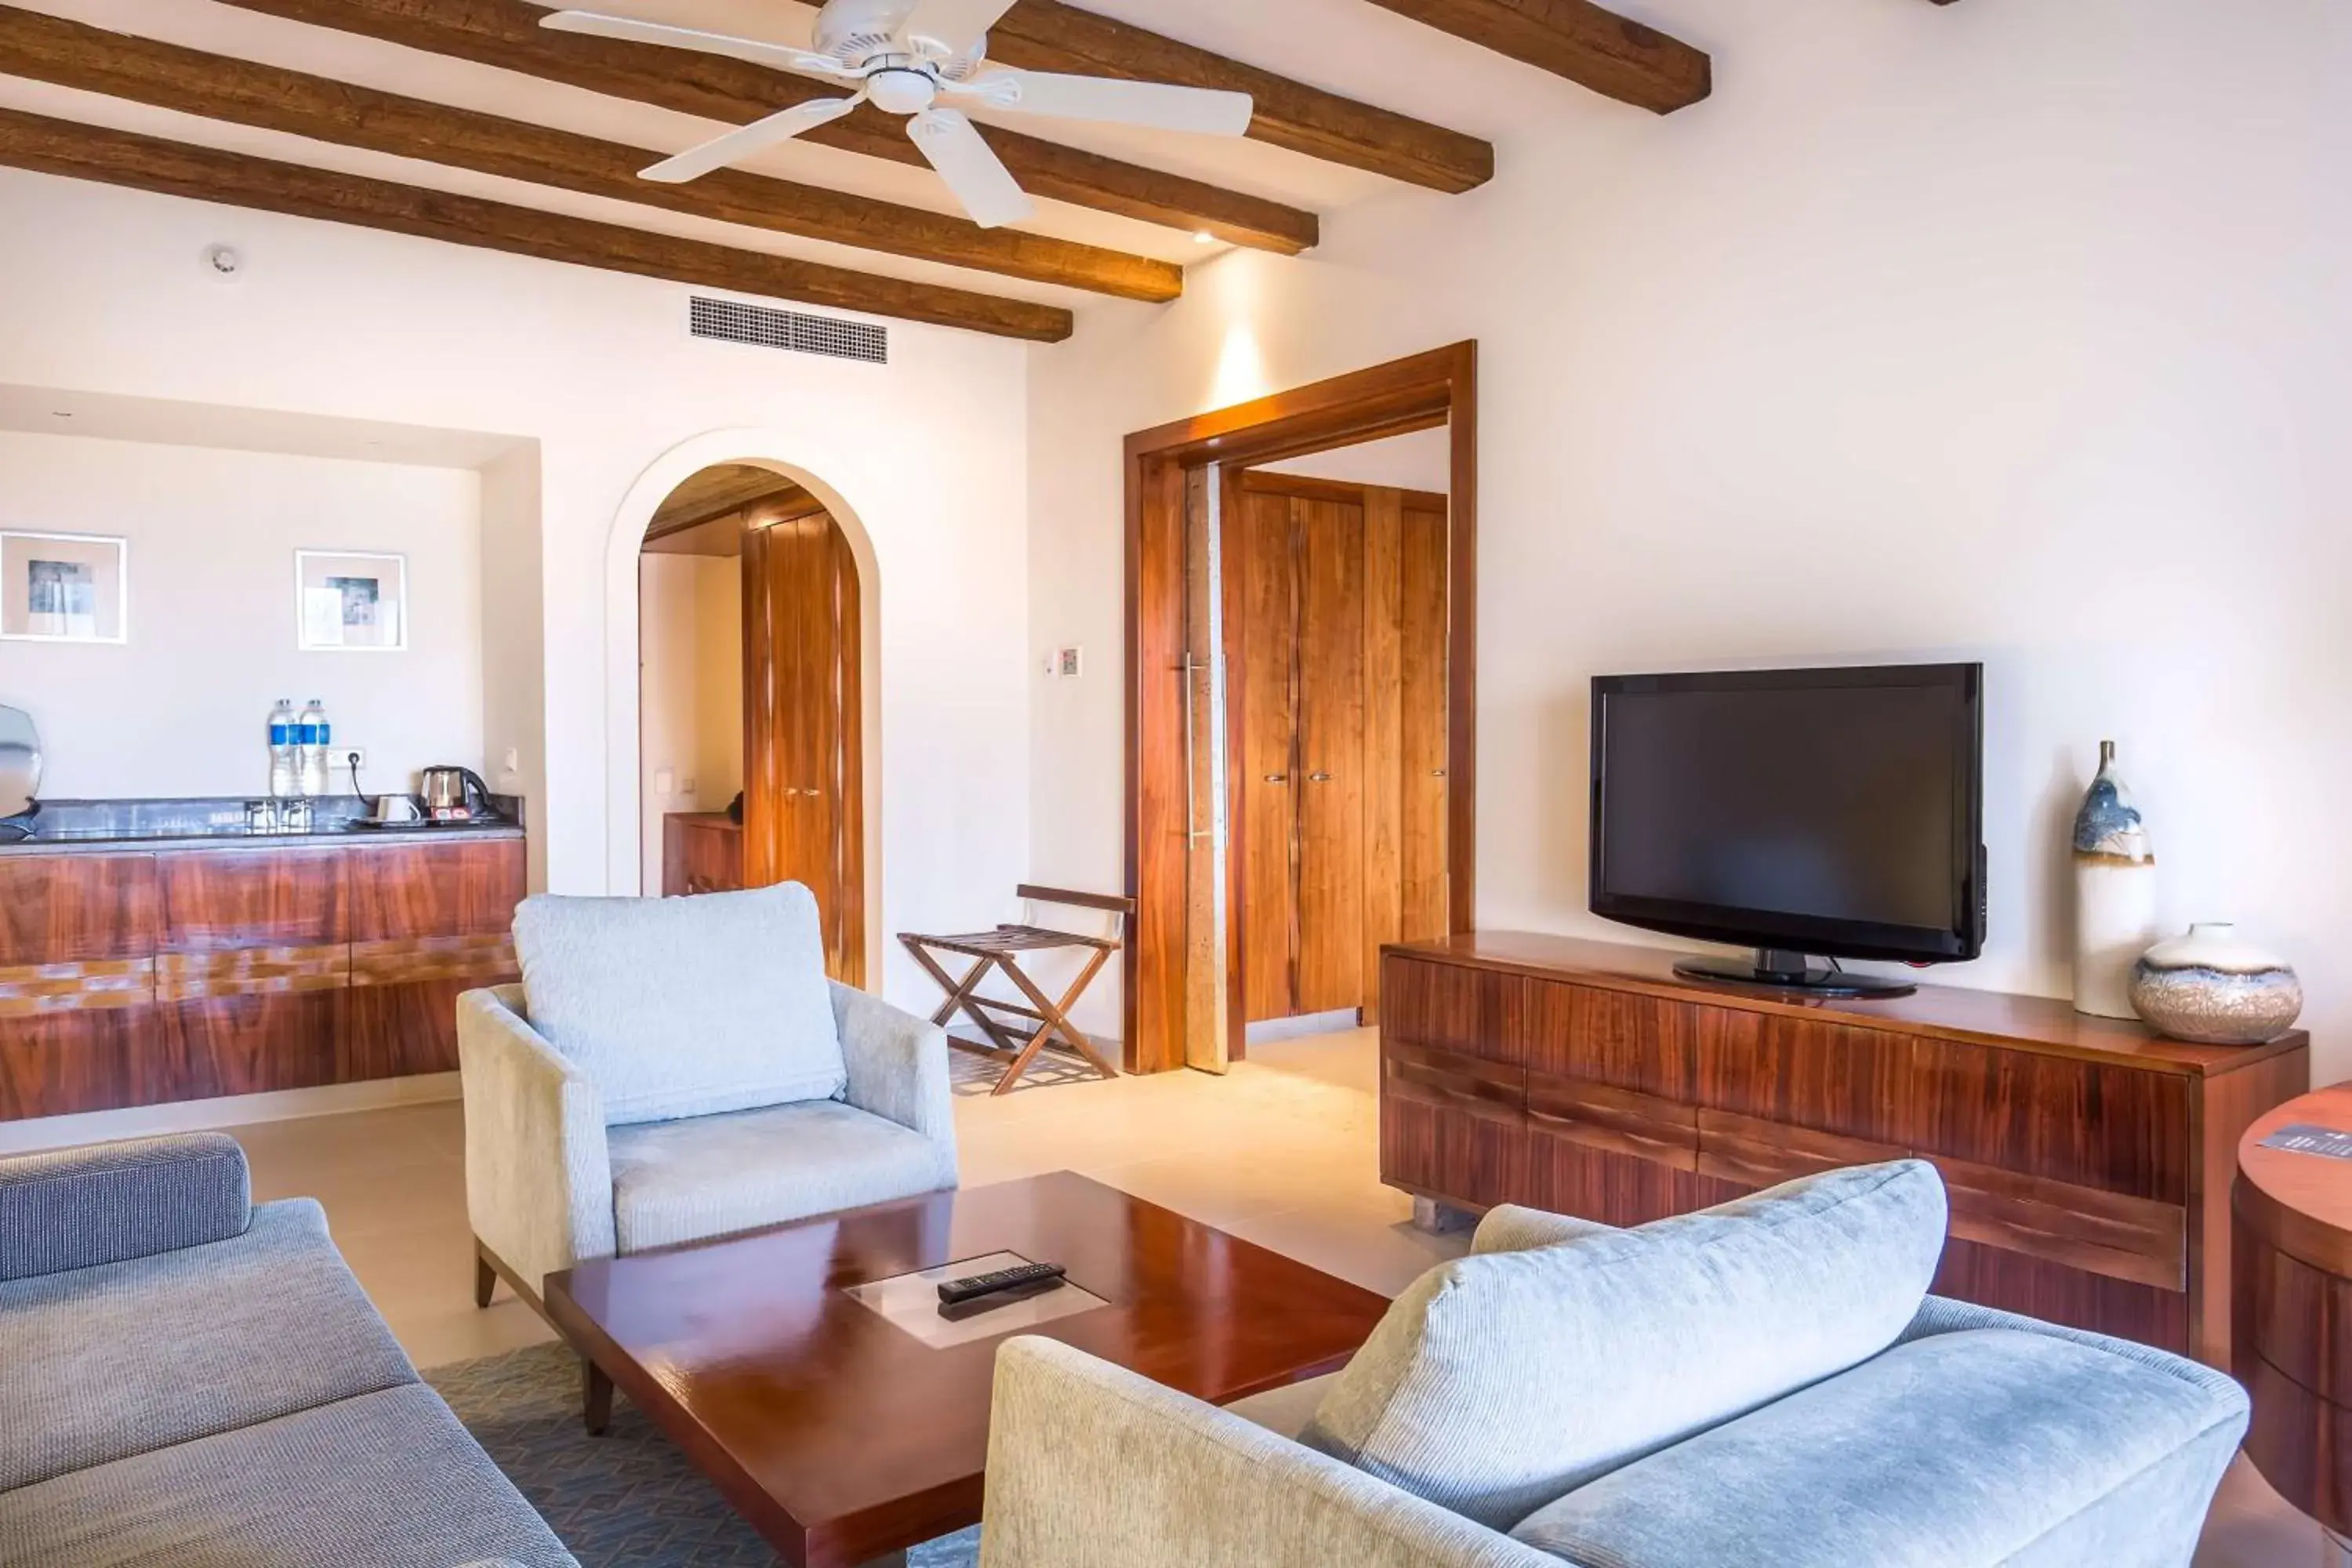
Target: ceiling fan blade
(956,25)
(1154,105)
(782,57)
(776,129)
(953,144)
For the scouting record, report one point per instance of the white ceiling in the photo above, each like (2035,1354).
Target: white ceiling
(46,411)
(1345,46)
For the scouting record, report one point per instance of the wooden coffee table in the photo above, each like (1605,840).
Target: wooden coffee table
(842,1436)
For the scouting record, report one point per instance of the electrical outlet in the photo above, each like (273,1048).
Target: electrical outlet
(352,757)
(1070,662)
(690,788)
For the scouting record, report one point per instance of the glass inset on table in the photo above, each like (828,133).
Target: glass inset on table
(912,1302)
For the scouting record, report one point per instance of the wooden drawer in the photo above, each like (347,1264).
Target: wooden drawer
(2086,1123)
(1443,1007)
(211,899)
(66,909)
(1615,1037)
(462,888)
(1853,1083)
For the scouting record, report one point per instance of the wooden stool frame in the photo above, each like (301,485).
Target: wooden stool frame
(996,952)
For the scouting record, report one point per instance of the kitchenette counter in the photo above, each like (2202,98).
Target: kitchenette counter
(160,951)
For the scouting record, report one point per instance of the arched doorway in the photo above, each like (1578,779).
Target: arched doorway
(751,699)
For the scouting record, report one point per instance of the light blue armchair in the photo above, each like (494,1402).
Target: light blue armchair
(676,1069)
(1767,1383)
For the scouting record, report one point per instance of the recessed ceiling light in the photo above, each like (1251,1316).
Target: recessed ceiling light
(1203,236)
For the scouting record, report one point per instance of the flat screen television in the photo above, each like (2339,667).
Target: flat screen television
(1802,813)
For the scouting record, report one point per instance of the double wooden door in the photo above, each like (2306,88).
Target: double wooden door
(1341,644)
(804,789)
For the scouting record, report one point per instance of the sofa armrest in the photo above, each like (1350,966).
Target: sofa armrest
(77,1208)
(539,1177)
(1090,1464)
(1941,1315)
(898,1066)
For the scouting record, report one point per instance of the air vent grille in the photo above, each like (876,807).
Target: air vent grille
(729,321)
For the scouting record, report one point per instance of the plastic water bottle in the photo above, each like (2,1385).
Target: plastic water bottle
(317,738)
(285,761)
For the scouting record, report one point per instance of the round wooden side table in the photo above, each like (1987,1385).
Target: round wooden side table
(2290,1311)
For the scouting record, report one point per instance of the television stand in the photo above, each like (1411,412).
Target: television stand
(1784,970)
(2088,1161)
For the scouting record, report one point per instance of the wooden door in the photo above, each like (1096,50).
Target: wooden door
(804,796)
(1266,561)
(1423,723)
(1330,881)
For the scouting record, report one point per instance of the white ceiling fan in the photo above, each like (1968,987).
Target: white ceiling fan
(922,58)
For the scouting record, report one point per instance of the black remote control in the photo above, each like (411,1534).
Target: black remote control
(956,1292)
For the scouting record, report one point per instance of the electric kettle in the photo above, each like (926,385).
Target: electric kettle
(455,794)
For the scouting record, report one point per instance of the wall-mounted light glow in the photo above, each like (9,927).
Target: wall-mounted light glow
(1241,368)
(1203,236)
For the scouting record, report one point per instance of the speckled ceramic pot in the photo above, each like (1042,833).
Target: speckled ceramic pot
(2210,988)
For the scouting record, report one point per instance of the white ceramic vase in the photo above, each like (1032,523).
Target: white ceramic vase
(2216,990)
(2115,893)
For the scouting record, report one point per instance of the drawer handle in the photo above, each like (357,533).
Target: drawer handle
(1318,778)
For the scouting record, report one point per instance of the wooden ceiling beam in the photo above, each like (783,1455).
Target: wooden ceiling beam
(1045,35)
(214,87)
(1589,46)
(65,147)
(507,34)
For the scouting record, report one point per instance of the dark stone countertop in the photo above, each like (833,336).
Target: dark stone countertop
(96,826)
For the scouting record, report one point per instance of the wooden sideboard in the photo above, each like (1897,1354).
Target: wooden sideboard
(2088,1161)
(702,852)
(137,977)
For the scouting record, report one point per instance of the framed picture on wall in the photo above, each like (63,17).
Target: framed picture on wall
(346,602)
(64,587)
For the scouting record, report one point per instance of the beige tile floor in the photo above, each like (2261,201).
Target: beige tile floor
(1283,1151)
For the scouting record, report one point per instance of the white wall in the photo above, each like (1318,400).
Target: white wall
(2008,330)
(593,371)
(1421,461)
(691,640)
(182,709)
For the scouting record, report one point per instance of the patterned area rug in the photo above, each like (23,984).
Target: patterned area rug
(628,1499)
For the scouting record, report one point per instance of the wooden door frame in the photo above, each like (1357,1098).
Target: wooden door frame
(1430,390)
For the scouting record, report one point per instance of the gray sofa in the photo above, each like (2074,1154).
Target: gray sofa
(1764,1384)
(187,1379)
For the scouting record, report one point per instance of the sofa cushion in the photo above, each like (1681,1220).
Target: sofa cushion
(77,1208)
(387,1479)
(1498,1382)
(1950,1452)
(1509,1227)
(127,1357)
(715,1175)
(685,1006)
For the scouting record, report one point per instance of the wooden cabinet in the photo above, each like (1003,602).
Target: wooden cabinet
(803,782)
(2086,1160)
(1340,659)
(143,978)
(702,852)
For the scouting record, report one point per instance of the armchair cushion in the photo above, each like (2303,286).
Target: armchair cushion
(77,1208)
(1986,1446)
(1499,1381)
(715,1175)
(684,1007)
